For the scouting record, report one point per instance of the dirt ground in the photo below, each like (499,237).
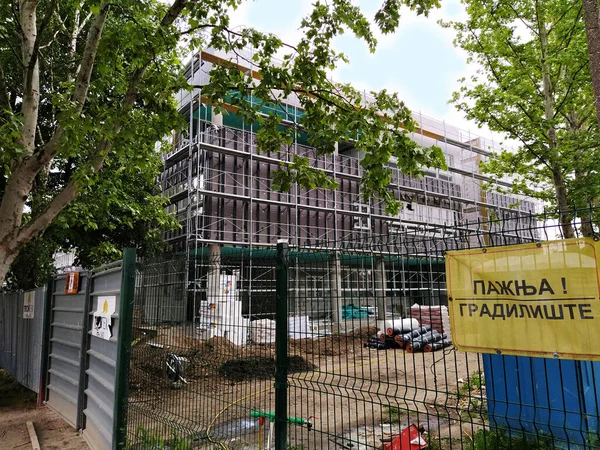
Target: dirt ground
(17,407)
(354,395)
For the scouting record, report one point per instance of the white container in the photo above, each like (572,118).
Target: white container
(236,333)
(207,308)
(299,327)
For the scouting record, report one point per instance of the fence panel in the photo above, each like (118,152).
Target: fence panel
(8,344)
(367,356)
(195,377)
(365,387)
(67,334)
(21,339)
(101,359)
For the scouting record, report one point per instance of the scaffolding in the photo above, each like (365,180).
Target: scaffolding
(219,188)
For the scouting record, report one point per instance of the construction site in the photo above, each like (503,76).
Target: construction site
(205,354)
(219,186)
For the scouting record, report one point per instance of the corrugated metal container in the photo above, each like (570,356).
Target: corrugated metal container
(543,396)
(67,322)
(100,374)
(21,339)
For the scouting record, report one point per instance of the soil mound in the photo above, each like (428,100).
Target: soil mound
(260,367)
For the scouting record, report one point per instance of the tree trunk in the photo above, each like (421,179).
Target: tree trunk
(563,206)
(591,14)
(31,74)
(557,174)
(586,216)
(7,257)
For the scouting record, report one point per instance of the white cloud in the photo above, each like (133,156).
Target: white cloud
(422,33)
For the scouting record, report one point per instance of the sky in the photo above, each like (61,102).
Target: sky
(419,61)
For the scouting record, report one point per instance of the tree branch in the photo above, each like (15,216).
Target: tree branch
(38,39)
(82,83)
(515,53)
(498,78)
(509,4)
(47,215)
(12,48)
(566,96)
(39,223)
(567,39)
(18,186)
(525,144)
(562,16)
(173,13)
(30,94)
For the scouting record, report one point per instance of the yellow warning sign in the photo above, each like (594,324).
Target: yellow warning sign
(538,299)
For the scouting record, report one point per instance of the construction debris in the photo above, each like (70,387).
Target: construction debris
(410,438)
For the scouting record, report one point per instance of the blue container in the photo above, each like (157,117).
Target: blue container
(540,396)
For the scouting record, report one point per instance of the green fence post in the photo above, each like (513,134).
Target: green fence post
(45,341)
(281,345)
(85,345)
(124,348)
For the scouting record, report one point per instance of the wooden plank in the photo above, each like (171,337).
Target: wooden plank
(35,444)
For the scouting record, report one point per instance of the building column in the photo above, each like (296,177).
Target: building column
(214,270)
(380,287)
(335,290)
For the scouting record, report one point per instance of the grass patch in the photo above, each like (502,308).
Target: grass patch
(154,440)
(437,443)
(475,382)
(471,399)
(392,414)
(503,440)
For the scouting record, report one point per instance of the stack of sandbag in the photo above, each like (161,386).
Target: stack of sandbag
(262,331)
(435,316)
(299,327)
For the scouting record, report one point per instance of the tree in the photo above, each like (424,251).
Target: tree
(534,85)
(93,81)
(123,209)
(591,10)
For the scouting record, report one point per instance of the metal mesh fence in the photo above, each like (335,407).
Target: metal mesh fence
(340,346)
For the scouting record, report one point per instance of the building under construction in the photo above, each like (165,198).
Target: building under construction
(219,188)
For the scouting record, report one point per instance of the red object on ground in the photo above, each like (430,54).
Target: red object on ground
(403,442)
